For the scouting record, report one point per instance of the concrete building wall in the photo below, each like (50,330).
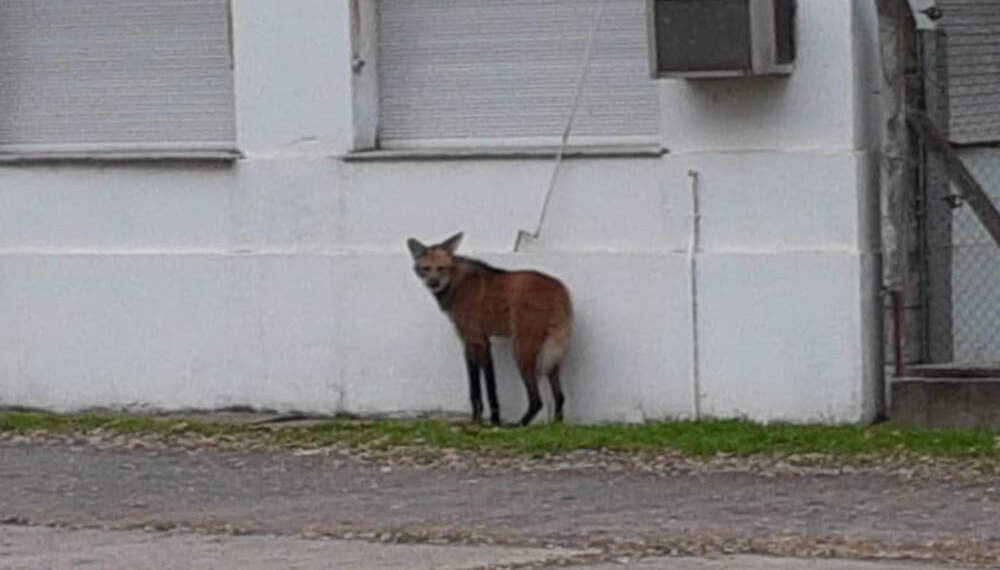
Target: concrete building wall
(283,281)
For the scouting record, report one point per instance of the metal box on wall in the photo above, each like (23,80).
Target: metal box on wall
(721,38)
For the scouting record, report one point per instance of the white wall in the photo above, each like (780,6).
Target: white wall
(283,280)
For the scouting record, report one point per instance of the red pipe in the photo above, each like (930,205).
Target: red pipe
(897,332)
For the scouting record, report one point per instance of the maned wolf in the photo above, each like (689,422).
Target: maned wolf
(532,308)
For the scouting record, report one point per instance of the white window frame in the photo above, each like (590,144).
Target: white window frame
(365,116)
(364,74)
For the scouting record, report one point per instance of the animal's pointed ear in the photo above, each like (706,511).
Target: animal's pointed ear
(416,248)
(451,244)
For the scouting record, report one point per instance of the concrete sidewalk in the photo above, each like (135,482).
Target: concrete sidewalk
(755,563)
(32,548)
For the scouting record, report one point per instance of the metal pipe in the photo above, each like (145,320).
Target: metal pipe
(897,332)
(693,245)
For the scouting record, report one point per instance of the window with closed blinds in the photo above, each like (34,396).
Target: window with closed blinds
(973,28)
(490,72)
(115,76)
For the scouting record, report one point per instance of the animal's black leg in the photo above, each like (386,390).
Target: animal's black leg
(526,355)
(534,402)
(557,393)
(491,388)
(475,391)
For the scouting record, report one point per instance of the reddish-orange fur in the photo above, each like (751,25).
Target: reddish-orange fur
(531,308)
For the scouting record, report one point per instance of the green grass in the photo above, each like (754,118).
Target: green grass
(116,423)
(691,438)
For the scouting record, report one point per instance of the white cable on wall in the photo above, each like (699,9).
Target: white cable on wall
(574,105)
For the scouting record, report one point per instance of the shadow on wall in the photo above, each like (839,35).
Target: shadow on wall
(762,95)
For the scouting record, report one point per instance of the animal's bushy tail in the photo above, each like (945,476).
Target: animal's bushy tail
(554,348)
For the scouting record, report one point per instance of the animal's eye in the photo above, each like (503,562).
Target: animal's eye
(425,269)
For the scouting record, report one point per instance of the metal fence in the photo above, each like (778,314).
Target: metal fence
(963,256)
(957,209)
(976,268)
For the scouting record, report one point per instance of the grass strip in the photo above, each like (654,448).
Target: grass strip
(701,438)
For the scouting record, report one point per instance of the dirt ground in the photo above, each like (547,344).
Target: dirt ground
(618,513)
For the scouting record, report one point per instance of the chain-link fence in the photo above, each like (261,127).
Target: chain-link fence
(976,268)
(964,258)
(958,209)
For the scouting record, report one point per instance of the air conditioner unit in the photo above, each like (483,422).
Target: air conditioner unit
(721,38)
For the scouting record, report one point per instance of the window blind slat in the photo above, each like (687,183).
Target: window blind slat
(483,70)
(115,73)
(973,28)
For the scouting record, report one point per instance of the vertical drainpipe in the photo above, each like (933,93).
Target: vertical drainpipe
(693,245)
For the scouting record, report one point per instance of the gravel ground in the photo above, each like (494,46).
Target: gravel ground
(622,505)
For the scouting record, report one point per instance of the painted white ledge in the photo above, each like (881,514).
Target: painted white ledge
(507,152)
(215,150)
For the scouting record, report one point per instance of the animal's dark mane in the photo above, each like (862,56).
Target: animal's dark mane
(444,297)
(480,265)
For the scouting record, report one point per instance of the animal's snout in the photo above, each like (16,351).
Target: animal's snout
(433,283)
